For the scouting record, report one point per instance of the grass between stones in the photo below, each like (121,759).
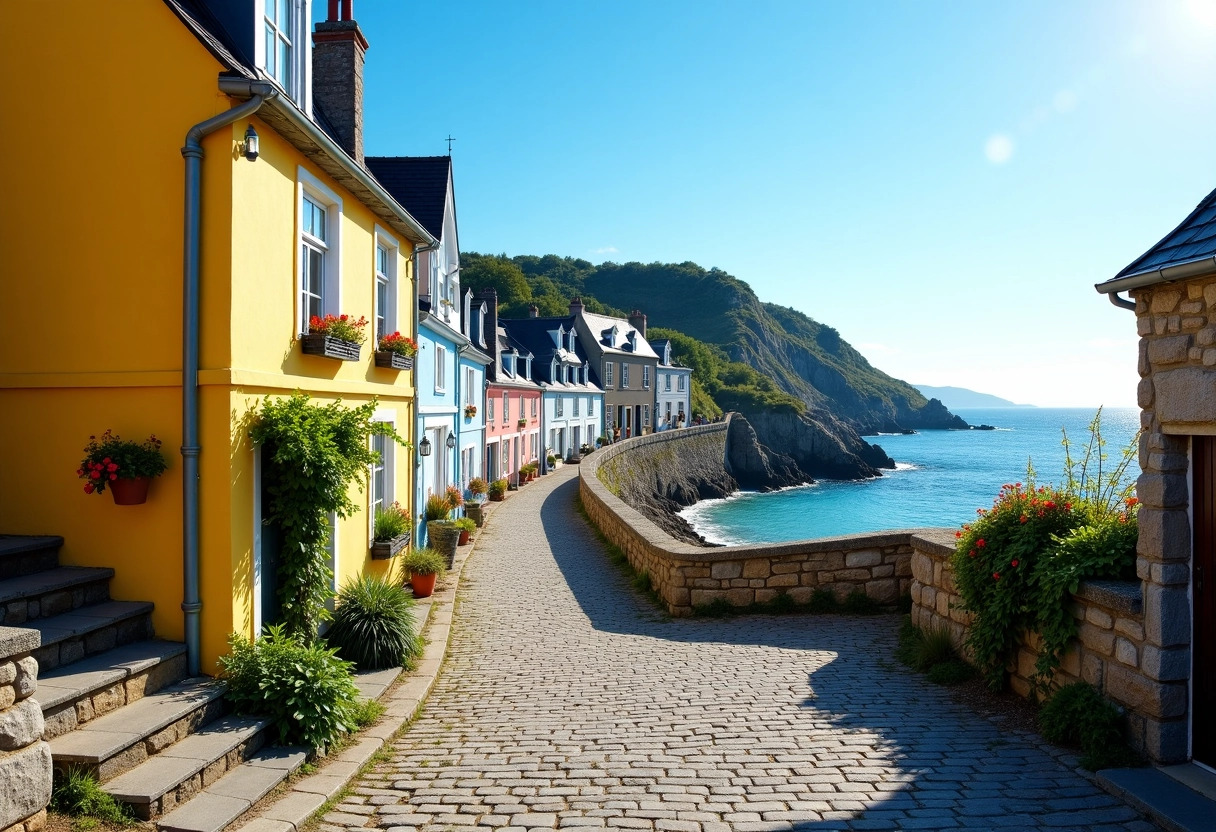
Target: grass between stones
(639,579)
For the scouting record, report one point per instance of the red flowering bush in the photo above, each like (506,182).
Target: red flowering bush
(398,343)
(342,327)
(111,457)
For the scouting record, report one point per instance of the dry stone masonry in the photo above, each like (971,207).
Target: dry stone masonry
(25,759)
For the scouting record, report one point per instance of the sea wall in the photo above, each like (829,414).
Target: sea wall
(1110,652)
(686,576)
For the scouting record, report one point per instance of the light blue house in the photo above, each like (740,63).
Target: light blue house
(672,390)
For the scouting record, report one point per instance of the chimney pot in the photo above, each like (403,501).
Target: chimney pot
(637,320)
(576,306)
(533,311)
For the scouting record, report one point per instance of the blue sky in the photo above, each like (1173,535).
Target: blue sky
(942,182)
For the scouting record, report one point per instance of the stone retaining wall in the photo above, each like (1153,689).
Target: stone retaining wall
(25,759)
(686,576)
(1110,652)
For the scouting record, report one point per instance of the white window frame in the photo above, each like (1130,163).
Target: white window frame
(645,376)
(608,382)
(680,383)
(299,26)
(506,407)
(392,249)
(559,411)
(469,383)
(575,411)
(388,465)
(331,247)
(441,368)
(489,409)
(624,375)
(645,415)
(534,401)
(667,382)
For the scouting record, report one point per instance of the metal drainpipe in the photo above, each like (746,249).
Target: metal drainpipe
(1121,303)
(193,154)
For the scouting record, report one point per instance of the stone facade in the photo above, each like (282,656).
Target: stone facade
(686,576)
(1113,650)
(25,759)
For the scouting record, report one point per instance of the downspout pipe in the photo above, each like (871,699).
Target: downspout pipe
(1122,303)
(192,152)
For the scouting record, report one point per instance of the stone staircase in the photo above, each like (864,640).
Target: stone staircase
(117,701)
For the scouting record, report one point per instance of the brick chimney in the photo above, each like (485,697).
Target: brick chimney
(489,328)
(638,321)
(576,307)
(337,75)
(533,311)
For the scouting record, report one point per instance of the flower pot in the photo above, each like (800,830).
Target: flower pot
(497,498)
(383,549)
(327,346)
(130,492)
(393,360)
(443,538)
(423,585)
(464,538)
(473,512)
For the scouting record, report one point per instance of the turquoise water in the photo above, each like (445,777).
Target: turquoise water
(942,478)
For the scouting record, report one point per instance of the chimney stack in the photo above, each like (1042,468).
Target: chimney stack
(576,307)
(638,321)
(489,324)
(337,75)
(533,311)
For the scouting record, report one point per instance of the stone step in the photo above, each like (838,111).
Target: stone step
(24,554)
(109,745)
(90,630)
(82,691)
(224,802)
(182,770)
(51,592)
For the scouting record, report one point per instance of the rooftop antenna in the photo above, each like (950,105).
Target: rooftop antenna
(449,141)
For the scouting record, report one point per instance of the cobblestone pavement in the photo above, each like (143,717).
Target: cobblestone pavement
(568,701)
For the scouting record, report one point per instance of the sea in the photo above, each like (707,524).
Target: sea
(941,477)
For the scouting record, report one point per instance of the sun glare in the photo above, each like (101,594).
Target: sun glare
(1202,12)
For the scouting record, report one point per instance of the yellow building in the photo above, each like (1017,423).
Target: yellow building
(121,105)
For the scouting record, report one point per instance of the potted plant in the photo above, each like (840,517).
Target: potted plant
(498,491)
(425,566)
(523,423)
(125,466)
(334,336)
(454,496)
(477,495)
(552,460)
(391,531)
(470,410)
(396,352)
(441,533)
(466,526)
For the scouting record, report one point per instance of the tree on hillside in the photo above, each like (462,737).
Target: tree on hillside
(486,271)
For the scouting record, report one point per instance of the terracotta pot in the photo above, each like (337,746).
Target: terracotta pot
(130,492)
(423,585)
(497,498)
(464,537)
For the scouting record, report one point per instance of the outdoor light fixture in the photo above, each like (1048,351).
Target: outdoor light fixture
(424,447)
(250,146)
(451,443)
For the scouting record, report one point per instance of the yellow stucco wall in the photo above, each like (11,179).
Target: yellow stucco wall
(92,242)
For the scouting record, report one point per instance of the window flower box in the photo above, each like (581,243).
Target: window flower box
(384,549)
(328,346)
(393,360)
(523,423)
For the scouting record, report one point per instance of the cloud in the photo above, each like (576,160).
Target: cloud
(605,250)
(998,149)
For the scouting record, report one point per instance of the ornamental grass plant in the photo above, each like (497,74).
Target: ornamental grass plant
(373,625)
(391,522)
(1017,562)
(437,508)
(425,561)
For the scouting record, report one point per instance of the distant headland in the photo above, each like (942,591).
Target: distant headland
(960,398)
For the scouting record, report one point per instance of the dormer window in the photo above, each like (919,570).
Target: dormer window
(528,368)
(283,52)
(571,347)
(632,336)
(481,330)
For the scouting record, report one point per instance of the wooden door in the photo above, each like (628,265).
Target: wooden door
(1203,586)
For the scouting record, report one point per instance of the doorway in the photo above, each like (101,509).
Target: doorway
(267,544)
(1203,594)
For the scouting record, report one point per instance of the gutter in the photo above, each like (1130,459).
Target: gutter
(1167,274)
(257,93)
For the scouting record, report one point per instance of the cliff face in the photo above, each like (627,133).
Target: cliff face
(819,445)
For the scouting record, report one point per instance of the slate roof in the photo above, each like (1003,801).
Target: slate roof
(533,335)
(1193,242)
(660,347)
(211,33)
(598,324)
(419,183)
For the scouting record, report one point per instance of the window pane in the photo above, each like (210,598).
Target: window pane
(382,260)
(284,14)
(270,50)
(284,68)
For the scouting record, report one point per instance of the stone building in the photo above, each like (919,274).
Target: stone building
(1173,294)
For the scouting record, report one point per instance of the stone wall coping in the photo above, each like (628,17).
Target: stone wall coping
(665,546)
(1121,596)
(15,641)
(938,541)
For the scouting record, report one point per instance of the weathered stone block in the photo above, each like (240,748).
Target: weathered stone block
(1194,291)
(782,581)
(729,569)
(1144,393)
(1126,652)
(757,568)
(1195,354)
(801,594)
(1191,323)
(8,695)
(903,566)
(1209,294)
(883,570)
(1139,693)
(1096,639)
(1167,616)
(1131,628)
(740,597)
(1162,490)
(851,575)
(884,591)
(1166,741)
(928,597)
(1206,337)
(1191,306)
(1186,395)
(1159,322)
(8,673)
(21,726)
(1173,323)
(1165,300)
(1070,662)
(1144,326)
(922,567)
(1099,618)
(25,783)
(1166,665)
(1170,573)
(863,558)
(786,568)
(1091,669)
(1165,534)
(943,604)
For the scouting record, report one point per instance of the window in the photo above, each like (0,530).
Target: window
(680,383)
(607,373)
(591,406)
(560,399)
(386,284)
(576,398)
(489,410)
(381,492)
(283,51)
(469,381)
(645,376)
(646,415)
(667,382)
(506,408)
(534,401)
(441,368)
(624,376)
(320,215)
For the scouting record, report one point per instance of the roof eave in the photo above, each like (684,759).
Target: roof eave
(1202,267)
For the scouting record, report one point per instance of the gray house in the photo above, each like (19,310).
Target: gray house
(623,365)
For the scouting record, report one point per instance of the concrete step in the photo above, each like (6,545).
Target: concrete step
(119,741)
(82,691)
(182,770)
(224,802)
(44,594)
(24,554)
(90,630)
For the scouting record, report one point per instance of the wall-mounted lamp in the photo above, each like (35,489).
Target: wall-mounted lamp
(249,147)
(451,443)
(424,447)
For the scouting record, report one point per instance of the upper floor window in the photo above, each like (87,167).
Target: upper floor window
(489,410)
(283,52)
(680,383)
(506,408)
(441,368)
(320,215)
(470,379)
(386,284)
(534,401)
(645,376)
(607,373)
(558,405)
(576,398)
(667,382)
(624,376)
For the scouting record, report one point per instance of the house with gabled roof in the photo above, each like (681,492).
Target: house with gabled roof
(672,390)
(622,364)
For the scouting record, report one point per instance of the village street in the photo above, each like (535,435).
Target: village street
(567,700)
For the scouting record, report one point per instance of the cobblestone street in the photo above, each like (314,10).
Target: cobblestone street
(569,701)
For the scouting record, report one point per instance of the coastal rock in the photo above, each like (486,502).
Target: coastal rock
(820,445)
(755,466)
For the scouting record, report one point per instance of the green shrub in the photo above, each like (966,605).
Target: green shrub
(951,672)
(1077,716)
(717,608)
(466,524)
(858,603)
(497,488)
(366,712)
(374,624)
(933,653)
(425,561)
(77,792)
(783,604)
(823,601)
(437,507)
(305,689)
(478,486)
(391,522)
(641,581)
